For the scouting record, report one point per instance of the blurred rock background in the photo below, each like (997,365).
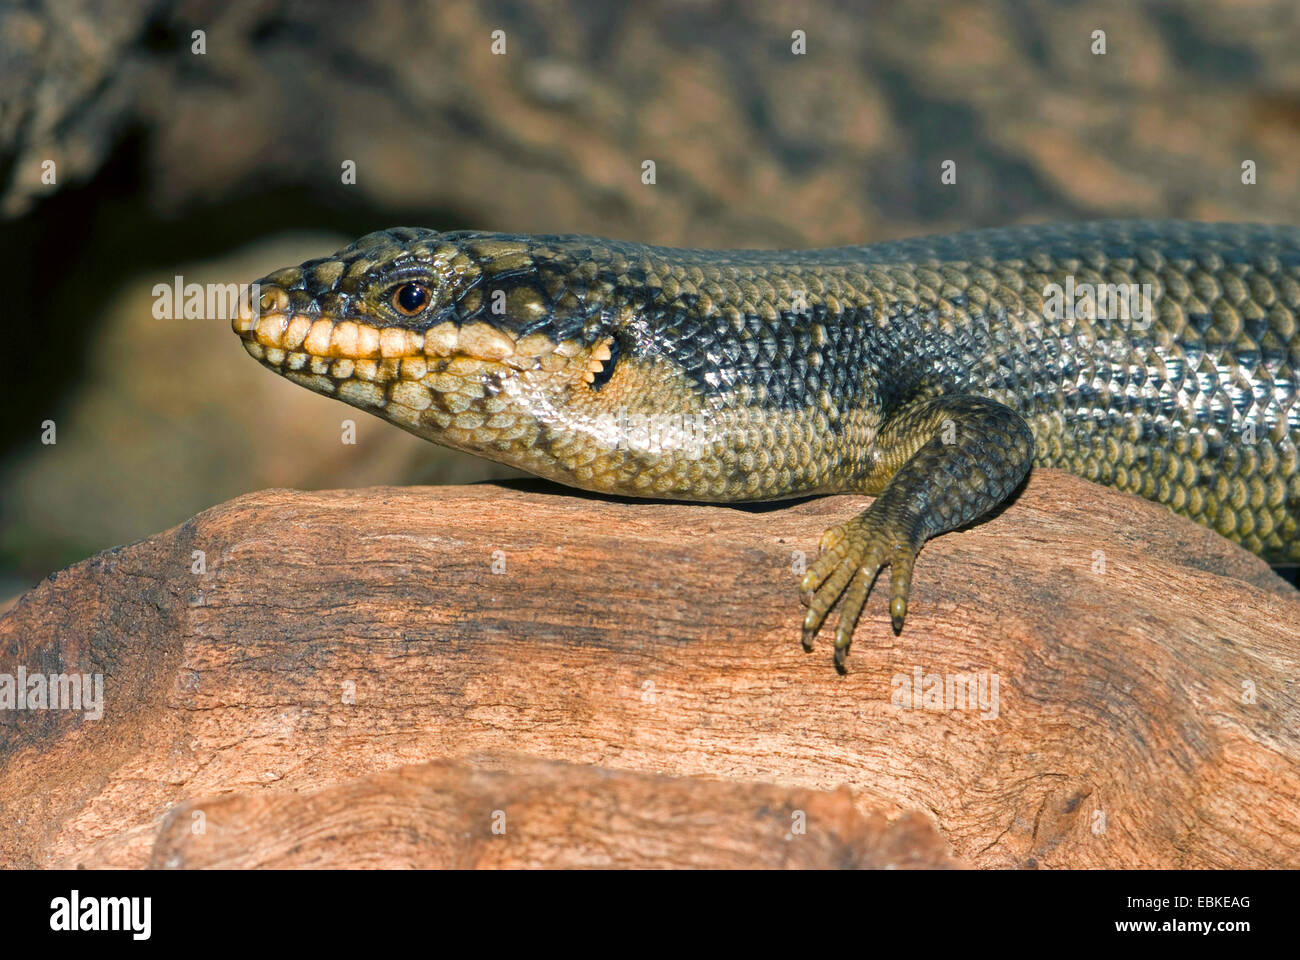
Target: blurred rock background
(223,165)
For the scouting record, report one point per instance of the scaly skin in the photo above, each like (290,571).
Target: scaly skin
(932,372)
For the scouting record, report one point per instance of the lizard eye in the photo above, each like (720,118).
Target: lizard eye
(410,298)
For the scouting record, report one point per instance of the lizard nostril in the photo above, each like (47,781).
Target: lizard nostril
(273,299)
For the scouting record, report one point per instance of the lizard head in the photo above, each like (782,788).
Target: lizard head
(483,342)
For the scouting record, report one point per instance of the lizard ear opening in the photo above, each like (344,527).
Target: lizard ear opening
(603,360)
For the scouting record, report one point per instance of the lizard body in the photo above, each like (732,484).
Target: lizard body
(1156,357)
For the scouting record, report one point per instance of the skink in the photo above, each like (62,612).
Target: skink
(1159,358)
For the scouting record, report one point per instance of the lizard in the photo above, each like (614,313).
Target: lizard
(1155,357)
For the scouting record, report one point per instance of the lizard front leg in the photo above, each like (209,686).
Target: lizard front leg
(939,462)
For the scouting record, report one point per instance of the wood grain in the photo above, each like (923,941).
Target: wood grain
(522,812)
(1146,714)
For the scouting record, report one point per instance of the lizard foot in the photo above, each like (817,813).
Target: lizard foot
(851,556)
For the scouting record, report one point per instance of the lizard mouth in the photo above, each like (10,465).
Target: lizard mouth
(409,375)
(328,339)
(294,340)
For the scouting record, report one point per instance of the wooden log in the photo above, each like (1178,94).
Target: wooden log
(1145,714)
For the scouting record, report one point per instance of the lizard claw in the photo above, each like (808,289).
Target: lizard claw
(852,555)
